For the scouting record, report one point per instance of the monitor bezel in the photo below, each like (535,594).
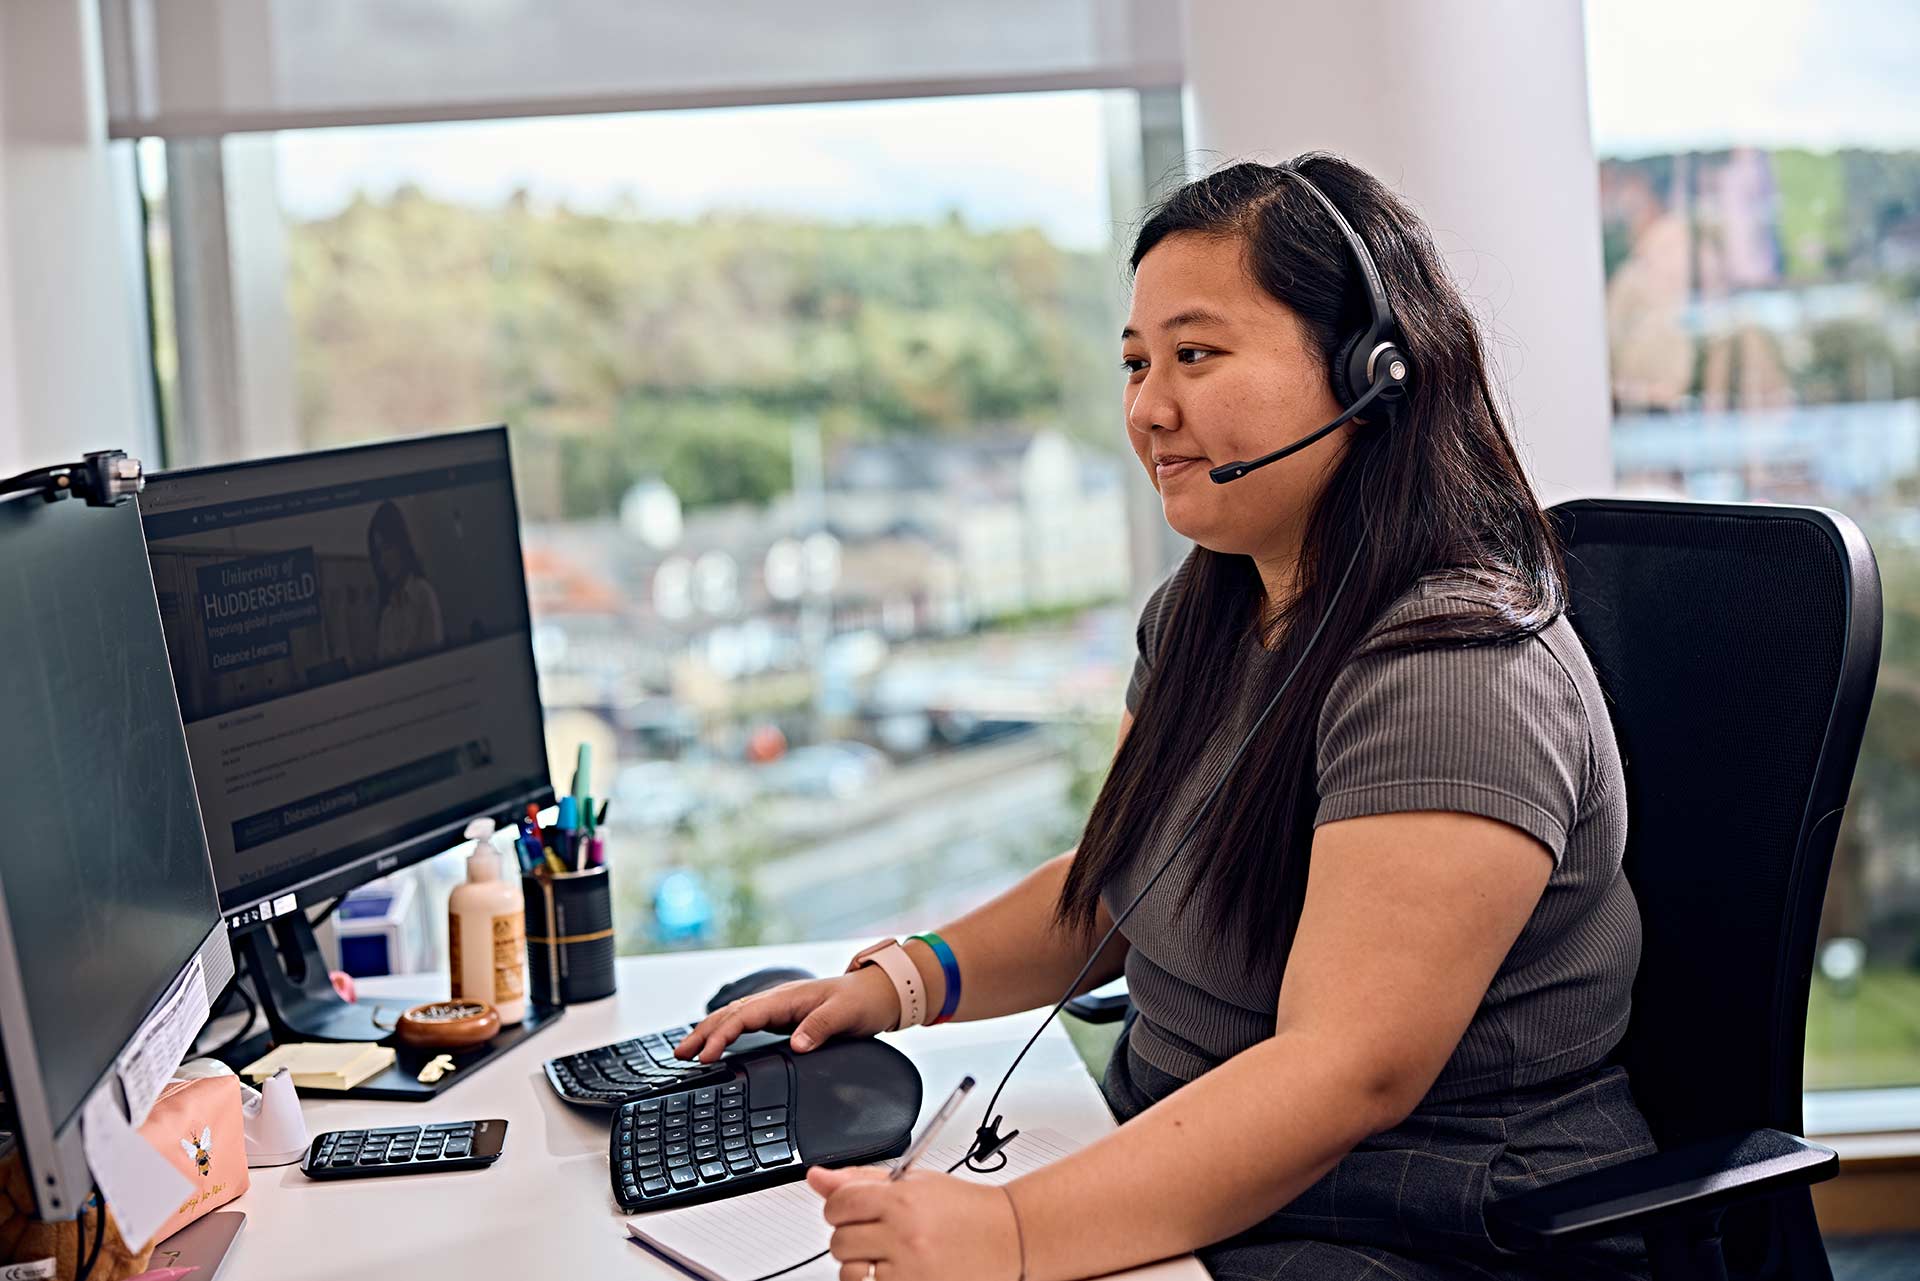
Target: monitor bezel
(246,908)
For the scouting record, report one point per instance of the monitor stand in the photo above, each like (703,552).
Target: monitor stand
(290,978)
(297,996)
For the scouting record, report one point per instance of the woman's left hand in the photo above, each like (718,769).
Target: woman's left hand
(924,1227)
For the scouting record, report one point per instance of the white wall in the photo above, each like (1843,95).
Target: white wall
(72,373)
(1477,112)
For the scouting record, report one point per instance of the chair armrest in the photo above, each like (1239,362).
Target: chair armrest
(1100,1009)
(1700,1177)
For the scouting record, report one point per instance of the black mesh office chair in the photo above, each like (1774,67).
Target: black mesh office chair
(1738,647)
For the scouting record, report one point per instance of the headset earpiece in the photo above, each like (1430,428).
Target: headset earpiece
(1389,365)
(1348,376)
(1358,363)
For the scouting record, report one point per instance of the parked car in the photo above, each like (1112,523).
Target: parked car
(834,770)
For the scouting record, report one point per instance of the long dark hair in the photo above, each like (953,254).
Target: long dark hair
(1437,489)
(389,526)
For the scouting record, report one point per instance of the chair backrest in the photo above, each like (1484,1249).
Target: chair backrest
(1737,645)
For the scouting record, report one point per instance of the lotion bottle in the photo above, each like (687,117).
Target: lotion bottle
(487,932)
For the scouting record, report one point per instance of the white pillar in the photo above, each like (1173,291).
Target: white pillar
(72,368)
(1476,111)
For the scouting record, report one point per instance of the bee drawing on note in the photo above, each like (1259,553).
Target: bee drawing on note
(201,1150)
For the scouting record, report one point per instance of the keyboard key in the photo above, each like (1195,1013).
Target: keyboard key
(772,1116)
(773,1153)
(371,1157)
(676,1149)
(678,1161)
(683,1177)
(644,1170)
(678,1103)
(735,1143)
(740,1162)
(733,1114)
(713,1171)
(703,1127)
(772,1134)
(411,1131)
(459,1147)
(733,1130)
(704,1114)
(344,1159)
(703,1098)
(653,1187)
(647,1105)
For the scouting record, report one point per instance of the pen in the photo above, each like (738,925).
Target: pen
(583,772)
(933,1127)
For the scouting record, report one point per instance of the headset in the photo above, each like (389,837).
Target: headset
(1370,358)
(1370,365)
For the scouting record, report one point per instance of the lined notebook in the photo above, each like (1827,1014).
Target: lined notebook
(743,1237)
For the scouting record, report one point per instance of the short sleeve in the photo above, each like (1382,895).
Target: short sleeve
(1146,634)
(1494,730)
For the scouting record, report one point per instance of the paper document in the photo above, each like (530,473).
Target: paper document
(141,1189)
(162,1041)
(743,1237)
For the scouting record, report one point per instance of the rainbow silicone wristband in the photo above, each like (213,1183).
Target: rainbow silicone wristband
(949,967)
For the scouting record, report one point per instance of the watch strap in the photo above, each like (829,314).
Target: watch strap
(905,975)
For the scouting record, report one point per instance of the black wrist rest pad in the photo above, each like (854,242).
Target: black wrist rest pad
(848,1101)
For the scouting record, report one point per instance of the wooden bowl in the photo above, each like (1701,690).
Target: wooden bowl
(448,1025)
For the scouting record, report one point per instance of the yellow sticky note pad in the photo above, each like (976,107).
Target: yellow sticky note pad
(323,1066)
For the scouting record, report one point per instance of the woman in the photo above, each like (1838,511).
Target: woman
(1379,985)
(409,623)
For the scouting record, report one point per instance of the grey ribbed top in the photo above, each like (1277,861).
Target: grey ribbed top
(1517,733)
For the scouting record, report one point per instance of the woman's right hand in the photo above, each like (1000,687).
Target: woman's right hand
(858,1004)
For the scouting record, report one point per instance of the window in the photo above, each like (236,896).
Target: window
(1760,192)
(825,498)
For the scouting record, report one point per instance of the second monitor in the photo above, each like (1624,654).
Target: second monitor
(350,640)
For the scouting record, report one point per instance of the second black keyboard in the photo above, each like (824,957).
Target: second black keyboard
(640,1068)
(697,1144)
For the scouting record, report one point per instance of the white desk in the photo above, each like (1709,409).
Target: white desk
(545,1209)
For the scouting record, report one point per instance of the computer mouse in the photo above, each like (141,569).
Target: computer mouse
(758,981)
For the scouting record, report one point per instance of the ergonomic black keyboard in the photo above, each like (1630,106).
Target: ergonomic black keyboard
(609,1075)
(698,1144)
(773,1115)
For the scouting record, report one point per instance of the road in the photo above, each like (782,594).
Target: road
(927,841)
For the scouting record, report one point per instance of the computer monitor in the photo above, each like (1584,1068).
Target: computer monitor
(353,652)
(106,894)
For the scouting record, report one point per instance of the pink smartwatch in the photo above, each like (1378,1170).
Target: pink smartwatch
(899,967)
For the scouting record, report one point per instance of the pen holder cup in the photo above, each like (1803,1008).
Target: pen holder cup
(569,936)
